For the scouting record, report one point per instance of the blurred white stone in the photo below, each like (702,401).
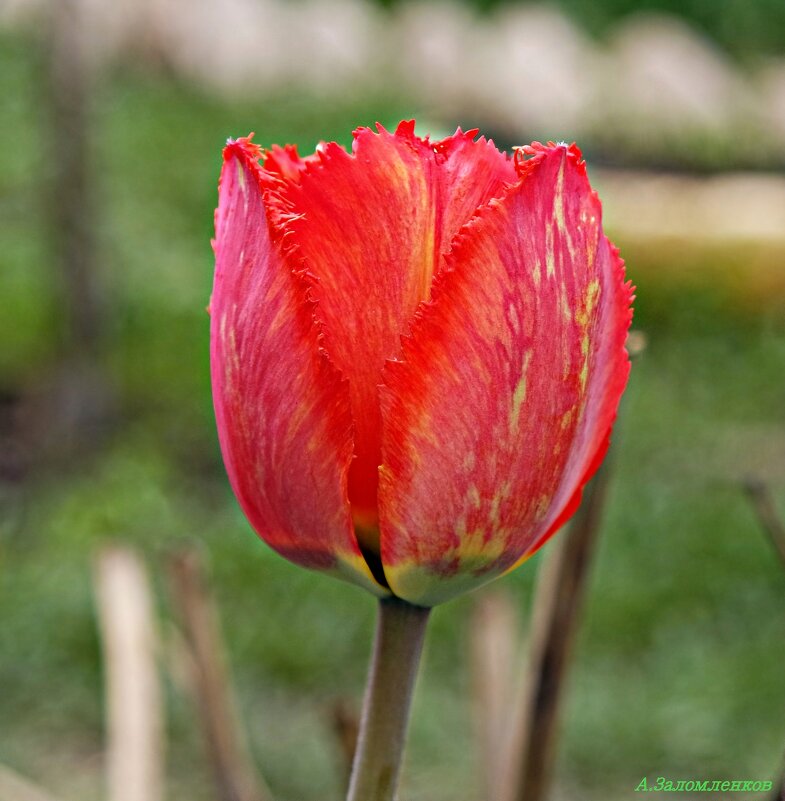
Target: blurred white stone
(772,86)
(537,71)
(732,207)
(664,77)
(434,53)
(232,45)
(239,46)
(111,28)
(524,70)
(20,12)
(334,42)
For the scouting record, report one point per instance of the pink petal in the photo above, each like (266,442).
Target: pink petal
(282,410)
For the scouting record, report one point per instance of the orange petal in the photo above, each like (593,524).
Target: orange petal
(502,406)
(372,227)
(281,408)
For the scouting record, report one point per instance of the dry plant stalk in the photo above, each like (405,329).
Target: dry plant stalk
(518,737)
(558,600)
(14,787)
(71,203)
(345,722)
(760,497)
(526,756)
(134,716)
(235,776)
(779,792)
(494,646)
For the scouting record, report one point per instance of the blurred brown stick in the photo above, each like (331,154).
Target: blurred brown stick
(235,777)
(760,497)
(70,409)
(14,787)
(71,202)
(494,640)
(345,721)
(527,764)
(134,713)
(558,601)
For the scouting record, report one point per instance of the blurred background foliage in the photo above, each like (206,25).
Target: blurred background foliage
(747,30)
(679,662)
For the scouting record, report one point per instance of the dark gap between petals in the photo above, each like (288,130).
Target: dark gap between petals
(374,562)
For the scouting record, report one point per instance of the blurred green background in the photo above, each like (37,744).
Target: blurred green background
(679,664)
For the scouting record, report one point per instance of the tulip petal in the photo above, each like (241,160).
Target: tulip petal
(501,407)
(282,409)
(372,227)
(285,162)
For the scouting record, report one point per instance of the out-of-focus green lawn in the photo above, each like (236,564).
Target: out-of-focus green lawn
(679,668)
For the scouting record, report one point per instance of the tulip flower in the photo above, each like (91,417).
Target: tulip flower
(417,350)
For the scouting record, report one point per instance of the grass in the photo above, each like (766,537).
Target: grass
(679,665)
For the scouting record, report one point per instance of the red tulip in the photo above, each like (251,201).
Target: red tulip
(417,352)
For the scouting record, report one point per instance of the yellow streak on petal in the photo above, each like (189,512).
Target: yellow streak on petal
(476,547)
(565,305)
(232,366)
(403,174)
(558,209)
(550,264)
(541,509)
(429,257)
(558,201)
(519,394)
(419,585)
(537,272)
(240,175)
(585,353)
(496,505)
(583,315)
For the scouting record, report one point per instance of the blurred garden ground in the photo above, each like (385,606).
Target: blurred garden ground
(679,666)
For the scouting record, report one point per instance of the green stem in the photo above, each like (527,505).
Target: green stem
(400,631)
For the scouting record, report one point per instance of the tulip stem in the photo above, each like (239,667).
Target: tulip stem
(400,631)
